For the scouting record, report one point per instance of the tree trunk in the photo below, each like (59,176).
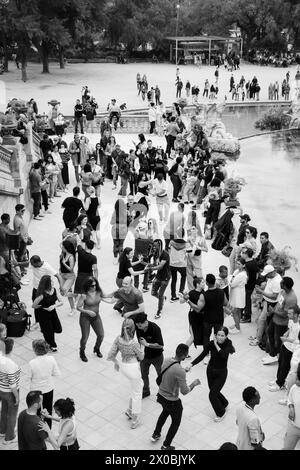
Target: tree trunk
(45,58)
(61,58)
(5,60)
(24,71)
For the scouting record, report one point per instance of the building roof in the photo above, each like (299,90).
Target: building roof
(199,38)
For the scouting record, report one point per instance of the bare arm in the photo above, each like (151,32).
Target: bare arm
(140,309)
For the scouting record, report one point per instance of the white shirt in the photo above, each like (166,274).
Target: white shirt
(9,374)
(160,186)
(294,329)
(43,369)
(295,359)
(294,399)
(250,431)
(273,287)
(152,114)
(38,273)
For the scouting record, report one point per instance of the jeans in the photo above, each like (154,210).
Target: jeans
(131,370)
(48,404)
(9,413)
(36,203)
(45,198)
(78,120)
(207,328)
(152,126)
(145,366)
(173,409)
(291,437)
(86,322)
(216,379)
(170,143)
(124,185)
(274,332)
(261,324)
(284,363)
(176,182)
(182,272)
(158,290)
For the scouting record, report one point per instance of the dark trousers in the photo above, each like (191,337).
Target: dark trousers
(152,126)
(118,246)
(145,366)
(65,173)
(205,93)
(247,309)
(173,409)
(9,413)
(174,272)
(48,404)
(158,290)
(48,323)
(170,143)
(36,203)
(207,328)
(284,363)
(78,120)
(177,184)
(216,379)
(178,93)
(274,332)
(45,199)
(36,310)
(86,322)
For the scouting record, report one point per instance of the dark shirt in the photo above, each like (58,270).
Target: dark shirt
(252,270)
(241,234)
(213,310)
(124,269)
(29,435)
(151,335)
(164,273)
(78,110)
(35,180)
(218,359)
(264,253)
(46,145)
(86,261)
(72,206)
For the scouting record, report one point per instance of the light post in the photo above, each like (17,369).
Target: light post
(177,20)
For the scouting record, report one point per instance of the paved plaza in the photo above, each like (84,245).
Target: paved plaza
(118,81)
(100,393)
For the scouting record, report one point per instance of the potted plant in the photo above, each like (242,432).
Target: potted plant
(282,260)
(232,187)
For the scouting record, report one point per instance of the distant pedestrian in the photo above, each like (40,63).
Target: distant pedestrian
(250,434)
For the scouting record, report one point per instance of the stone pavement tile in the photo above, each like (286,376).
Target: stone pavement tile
(83,414)
(210,438)
(271,428)
(195,444)
(112,444)
(85,446)
(200,418)
(95,439)
(96,422)
(274,444)
(110,412)
(97,406)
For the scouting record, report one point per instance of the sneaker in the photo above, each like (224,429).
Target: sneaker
(167,448)
(254,342)
(252,338)
(234,331)
(270,360)
(36,218)
(72,312)
(218,419)
(135,423)
(53,349)
(2,435)
(146,394)
(283,401)
(155,437)
(157,316)
(174,299)
(246,320)
(272,382)
(12,441)
(24,282)
(128,413)
(146,289)
(275,388)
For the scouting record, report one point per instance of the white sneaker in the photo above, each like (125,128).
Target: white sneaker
(116,261)
(234,331)
(270,360)
(218,419)
(265,358)
(272,382)
(275,388)
(12,441)
(283,401)
(25,281)
(72,312)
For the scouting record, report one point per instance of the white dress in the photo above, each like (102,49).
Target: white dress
(237,295)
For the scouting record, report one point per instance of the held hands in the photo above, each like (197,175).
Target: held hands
(143,342)
(44,413)
(188,367)
(196,382)
(43,426)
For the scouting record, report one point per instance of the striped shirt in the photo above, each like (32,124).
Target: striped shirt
(9,374)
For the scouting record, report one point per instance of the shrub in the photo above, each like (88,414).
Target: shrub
(273,120)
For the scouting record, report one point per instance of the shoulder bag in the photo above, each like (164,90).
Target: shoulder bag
(159,377)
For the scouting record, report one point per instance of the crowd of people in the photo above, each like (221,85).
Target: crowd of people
(206,218)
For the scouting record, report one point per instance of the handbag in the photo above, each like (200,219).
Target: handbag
(227,250)
(219,242)
(159,377)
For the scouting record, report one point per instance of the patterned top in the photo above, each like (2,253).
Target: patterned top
(9,374)
(128,350)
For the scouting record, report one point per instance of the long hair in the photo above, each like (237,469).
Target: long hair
(69,247)
(87,285)
(123,255)
(128,329)
(44,285)
(65,407)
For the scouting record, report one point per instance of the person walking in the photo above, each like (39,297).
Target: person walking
(195,314)
(149,336)
(35,183)
(72,206)
(47,301)
(42,370)
(172,380)
(67,276)
(132,354)
(250,434)
(78,116)
(9,393)
(219,348)
(163,274)
(178,264)
(75,153)
(88,305)
(237,294)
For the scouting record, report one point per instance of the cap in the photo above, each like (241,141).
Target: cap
(140,317)
(245,217)
(269,268)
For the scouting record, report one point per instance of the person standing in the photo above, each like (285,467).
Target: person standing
(292,435)
(30,435)
(195,315)
(252,271)
(21,229)
(160,188)
(266,247)
(217,371)
(178,263)
(149,336)
(250,434)
(132,354)
(47,301)
(130,297)
(179,86)
(188,89)
(35,183)
(72,206)
(157,95)
(152,117)
(9,393)
(196,244)
(163,275)
(237,294)
(75,152)
(42,370)
(78,116)
(173,381)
